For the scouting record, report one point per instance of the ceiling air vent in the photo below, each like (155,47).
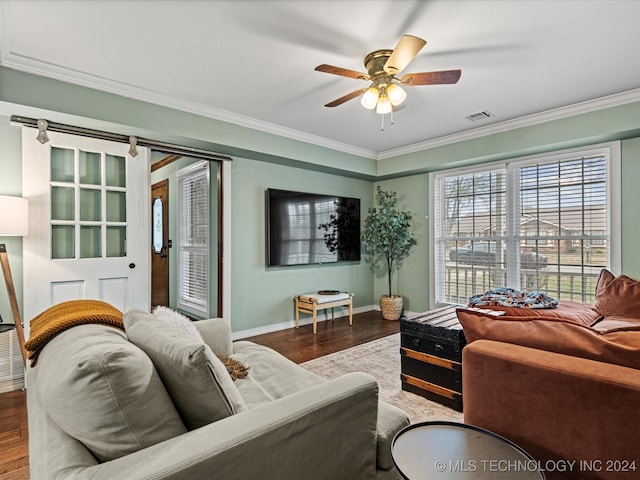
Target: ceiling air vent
(474,117)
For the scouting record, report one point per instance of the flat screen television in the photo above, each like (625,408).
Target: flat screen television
(308,228)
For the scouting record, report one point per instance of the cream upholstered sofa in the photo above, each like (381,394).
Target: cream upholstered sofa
(154,403)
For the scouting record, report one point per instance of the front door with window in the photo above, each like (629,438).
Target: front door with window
(160,243)
(89,217)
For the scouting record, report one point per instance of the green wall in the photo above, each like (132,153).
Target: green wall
(262,297)
(413,191)
(11,184)
(411,283)
(630,212)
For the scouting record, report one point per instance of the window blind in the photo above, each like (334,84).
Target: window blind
(540,224)
(193,239)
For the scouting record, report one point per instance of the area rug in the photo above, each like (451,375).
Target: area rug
(381,359)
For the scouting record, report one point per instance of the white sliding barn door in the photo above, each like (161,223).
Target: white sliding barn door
(89,232)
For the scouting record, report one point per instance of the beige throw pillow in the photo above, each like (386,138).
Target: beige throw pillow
(197,381)
(103,391)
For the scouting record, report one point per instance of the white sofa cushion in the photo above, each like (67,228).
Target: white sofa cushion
(197,381)
(271,375)
(104,391)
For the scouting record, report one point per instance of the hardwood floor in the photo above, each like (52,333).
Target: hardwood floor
(14,451)
(299,345)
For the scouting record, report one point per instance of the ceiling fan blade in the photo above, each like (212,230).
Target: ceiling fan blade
(346,98)
(406,50)
(431,78)
(345,72)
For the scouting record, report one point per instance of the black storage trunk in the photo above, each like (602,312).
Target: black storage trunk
(431,356)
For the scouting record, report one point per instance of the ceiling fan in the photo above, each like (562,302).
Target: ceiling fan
(385,91)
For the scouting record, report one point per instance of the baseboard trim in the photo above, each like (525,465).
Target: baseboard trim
(11,384)
(276,327)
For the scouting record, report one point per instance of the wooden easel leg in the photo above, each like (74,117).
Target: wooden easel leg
(13,301)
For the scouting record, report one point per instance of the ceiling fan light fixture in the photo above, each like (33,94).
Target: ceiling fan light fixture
(384,105)
(396,94)
(370,98)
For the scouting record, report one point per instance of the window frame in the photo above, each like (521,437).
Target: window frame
(511,167)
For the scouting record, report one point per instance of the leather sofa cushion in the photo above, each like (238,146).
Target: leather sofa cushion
(104,391)
(614,323)
(619,346)
(618,296)
(575,312)
(197,381)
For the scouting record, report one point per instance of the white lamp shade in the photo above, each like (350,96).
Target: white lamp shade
(14,216)
(384,105)
(370,98)
(396,94)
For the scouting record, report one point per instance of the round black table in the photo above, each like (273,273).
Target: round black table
(450,450)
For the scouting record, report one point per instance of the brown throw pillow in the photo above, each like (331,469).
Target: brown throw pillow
(619,296)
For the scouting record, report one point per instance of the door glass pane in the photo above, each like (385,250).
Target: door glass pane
(116,206)
(116,241)
(90,205)
(158,229)
(90,168)
(116,171)
(63,241)
(62,165)
(62,203)
(90,244)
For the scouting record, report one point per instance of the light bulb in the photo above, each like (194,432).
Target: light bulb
(396,94)
(370,98)
(384,105)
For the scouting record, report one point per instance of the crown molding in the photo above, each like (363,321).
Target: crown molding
(526,121)
(55,72)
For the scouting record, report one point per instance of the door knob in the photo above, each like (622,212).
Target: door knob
(132,265)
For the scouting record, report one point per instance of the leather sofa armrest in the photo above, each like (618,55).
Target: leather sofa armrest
(216,333)
(327,431)
(555,406)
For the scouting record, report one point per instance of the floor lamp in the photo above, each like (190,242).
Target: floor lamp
(14,221)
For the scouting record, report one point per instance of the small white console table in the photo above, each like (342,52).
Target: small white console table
(312,302)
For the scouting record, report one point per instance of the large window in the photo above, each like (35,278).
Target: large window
(193,239)
(545,223)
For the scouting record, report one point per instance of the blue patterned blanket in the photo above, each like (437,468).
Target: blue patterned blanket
(510,297)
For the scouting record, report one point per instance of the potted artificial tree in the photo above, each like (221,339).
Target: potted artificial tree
(387,238)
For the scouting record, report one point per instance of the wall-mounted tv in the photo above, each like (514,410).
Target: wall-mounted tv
(309,228)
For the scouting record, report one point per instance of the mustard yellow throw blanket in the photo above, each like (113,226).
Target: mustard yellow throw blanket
(65,315)
(69,314)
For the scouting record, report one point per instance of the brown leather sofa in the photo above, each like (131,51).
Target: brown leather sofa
(564,383)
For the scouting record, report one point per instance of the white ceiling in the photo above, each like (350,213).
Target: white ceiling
(252,62)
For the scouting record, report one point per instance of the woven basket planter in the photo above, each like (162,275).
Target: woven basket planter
(391,307)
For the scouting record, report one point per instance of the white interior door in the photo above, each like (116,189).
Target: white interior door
(88,223)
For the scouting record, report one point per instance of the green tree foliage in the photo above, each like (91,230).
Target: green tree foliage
(387,236)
